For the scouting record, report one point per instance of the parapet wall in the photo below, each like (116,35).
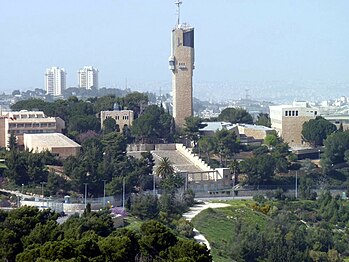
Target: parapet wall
(193,158)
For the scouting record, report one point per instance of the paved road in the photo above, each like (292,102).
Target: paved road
(222,198)
(17,193)
(196,210)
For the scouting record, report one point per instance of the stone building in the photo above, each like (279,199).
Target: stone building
(288,121)
(122,117)
(58,144)
(27,122)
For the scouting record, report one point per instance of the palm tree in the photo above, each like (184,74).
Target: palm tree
(165,168)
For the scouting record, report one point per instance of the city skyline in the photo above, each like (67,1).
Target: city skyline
(247,41)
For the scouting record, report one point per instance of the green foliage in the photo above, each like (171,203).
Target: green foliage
(259,169)
(145,206)
(235,115)
(271,140)
(26,167)
(336,145)
(117,249)
(315,131)
(263,119)
(227,145)
(156,238)
(207,144)
(109,125)
(153,125)
(165,168)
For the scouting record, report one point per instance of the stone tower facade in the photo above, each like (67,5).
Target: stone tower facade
(181,64)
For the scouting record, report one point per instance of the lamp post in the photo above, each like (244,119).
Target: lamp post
(296,192)
(22,188)
(319,153)
(104,192)
(123,193)
(85,194)
(154,190)
(42,188)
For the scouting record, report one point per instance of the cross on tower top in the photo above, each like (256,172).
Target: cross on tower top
(178,3)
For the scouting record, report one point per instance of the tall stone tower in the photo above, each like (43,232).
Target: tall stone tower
(181,63)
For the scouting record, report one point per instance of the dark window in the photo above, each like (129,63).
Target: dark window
(188,38)
(297,113)
(285,113)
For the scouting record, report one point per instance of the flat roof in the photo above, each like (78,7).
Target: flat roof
(50,140)
(256,127)
(214,126)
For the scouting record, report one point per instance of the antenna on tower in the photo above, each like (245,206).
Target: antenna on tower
(247,95)
(178,3)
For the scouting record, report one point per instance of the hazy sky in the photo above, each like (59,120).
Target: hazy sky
(236,40)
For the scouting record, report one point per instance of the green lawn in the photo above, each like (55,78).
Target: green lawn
(218,226)
(133,223)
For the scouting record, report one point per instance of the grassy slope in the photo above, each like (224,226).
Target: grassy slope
(218,226)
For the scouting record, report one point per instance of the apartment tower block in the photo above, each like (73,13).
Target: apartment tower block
(88,77)
(55,81)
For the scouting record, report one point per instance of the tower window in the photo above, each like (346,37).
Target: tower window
(286,113)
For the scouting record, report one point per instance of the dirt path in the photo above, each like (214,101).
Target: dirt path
(196,210)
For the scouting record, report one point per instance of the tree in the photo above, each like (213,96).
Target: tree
(227,145)
(207,145)
(135,101)
(153,125)
(315,131)
(145,206)
(235,115)
(109,125)
(156,238)
(263,119)
(336,145)
(259,169)
(12,142)
(165,168)
(271,140)
(191,128)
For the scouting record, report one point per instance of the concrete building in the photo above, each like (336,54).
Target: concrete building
(288,121)
(247,134)
(122,117)
(55,81)
(58,144)
(88,77)
(27,122)
(181,63)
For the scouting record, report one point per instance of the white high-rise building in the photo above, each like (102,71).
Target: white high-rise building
(88,77)
(55,81)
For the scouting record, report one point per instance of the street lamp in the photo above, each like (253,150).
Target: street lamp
(42,188)
(154,191)
(22,188)
(85,194)
(123,193)
(296,192)
(319,153)
(104,192)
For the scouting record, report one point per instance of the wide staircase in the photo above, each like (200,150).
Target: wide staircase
(178,160)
